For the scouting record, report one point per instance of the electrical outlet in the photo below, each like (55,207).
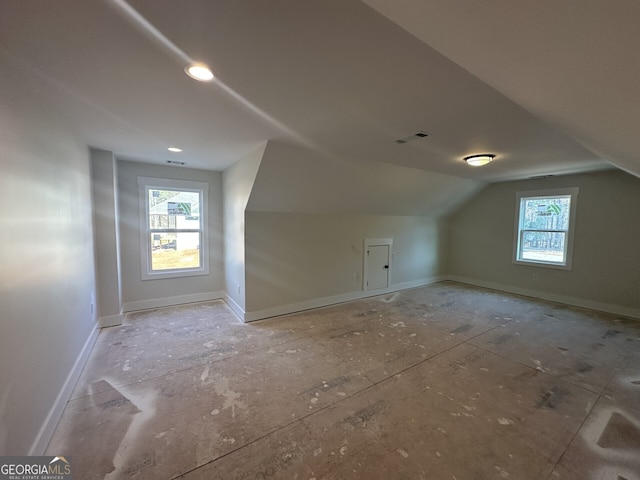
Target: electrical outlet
(238,289)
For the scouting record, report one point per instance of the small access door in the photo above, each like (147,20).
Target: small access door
(377,263)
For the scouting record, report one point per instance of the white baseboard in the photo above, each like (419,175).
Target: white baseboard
(110,321)
(552,297)
(171,301)
(332,300)
(235,308)
(43,438)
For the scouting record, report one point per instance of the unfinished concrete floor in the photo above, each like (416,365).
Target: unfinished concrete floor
(441,382)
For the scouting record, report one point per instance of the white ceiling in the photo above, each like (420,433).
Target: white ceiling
(574,64)
(342,79)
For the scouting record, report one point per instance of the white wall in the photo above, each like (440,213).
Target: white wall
(106,230)
(293,258)
(47,281)
(237,182)
(605,273)
(138,293)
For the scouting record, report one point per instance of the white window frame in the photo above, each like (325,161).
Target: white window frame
(144,185)
(570,232)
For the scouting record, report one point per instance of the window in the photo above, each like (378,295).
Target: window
(544,227)
(173,228)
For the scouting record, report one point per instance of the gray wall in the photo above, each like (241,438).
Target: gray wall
(292,257)
(606,258)
(298,179)
(309,213)
(237,182)
(47,282)
(135,291)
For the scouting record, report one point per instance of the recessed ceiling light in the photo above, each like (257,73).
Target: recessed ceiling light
(199,71)
(480,159)
(174,149)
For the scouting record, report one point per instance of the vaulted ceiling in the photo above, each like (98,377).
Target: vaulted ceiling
(574,64)
(548,88)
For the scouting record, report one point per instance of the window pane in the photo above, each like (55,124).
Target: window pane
(543,246)
(157,221)
(174,209)
(549,213)
(175,250)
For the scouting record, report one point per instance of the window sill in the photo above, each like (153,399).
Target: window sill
(167,274)
(533,263)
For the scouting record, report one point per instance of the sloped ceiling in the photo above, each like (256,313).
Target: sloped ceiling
(336,77)
(574,64)
(295,179)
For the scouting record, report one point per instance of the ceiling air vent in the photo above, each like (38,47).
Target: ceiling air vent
(538,177)
(415,136)
(175,162)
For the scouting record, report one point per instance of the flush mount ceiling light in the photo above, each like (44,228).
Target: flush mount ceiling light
(174,149)
(199,71)
(480,159)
